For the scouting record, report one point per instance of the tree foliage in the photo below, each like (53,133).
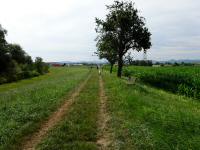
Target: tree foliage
(106,49)
(41,67)
(17,53)
(15,63)
(4,55)
(127,29)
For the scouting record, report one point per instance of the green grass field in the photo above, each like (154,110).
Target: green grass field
(24,104)
(141,117)
(78,131)
(147,118)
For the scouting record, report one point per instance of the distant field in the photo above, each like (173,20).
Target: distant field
(24,104)
(182,80)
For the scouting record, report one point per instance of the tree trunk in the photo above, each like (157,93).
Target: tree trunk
(120,65)
(111,68)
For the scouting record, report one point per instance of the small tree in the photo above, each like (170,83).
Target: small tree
(127,29)
(41,67)
(129,59)
(106,49)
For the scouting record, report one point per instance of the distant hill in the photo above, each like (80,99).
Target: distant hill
(195,61)
(78,62)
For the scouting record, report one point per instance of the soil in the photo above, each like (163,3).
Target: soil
(104,136)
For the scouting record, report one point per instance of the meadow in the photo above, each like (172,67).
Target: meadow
(78,130)
(141,116)
(26,103)
(182,80)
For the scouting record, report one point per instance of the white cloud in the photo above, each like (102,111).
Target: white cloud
(64,29)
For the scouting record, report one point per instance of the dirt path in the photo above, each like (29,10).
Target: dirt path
(31,142)
(104,138)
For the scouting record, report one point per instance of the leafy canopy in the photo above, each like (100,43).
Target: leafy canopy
(107,49)
(127,29)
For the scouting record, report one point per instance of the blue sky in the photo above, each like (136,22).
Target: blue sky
(59,30)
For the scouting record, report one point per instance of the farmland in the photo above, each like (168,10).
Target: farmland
(181,80)
(140,116)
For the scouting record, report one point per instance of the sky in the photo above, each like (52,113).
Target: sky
(63,30)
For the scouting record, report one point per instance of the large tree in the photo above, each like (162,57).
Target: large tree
(127,29)
(5,58)
(15,63)
(106,49)
(17,53)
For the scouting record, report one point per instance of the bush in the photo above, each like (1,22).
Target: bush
(2,80)
(40,66)
(34,73)
(127,73)
(28,74)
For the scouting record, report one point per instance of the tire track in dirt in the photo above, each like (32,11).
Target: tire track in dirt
(104,135)
(32,141)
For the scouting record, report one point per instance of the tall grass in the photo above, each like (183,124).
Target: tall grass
(182,80)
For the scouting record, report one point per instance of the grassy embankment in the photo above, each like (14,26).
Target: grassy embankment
(78,131)
(25,104)
(143,117)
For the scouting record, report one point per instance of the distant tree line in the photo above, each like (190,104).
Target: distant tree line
(141,63)
(16,64)
(129,60)
(174,64)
